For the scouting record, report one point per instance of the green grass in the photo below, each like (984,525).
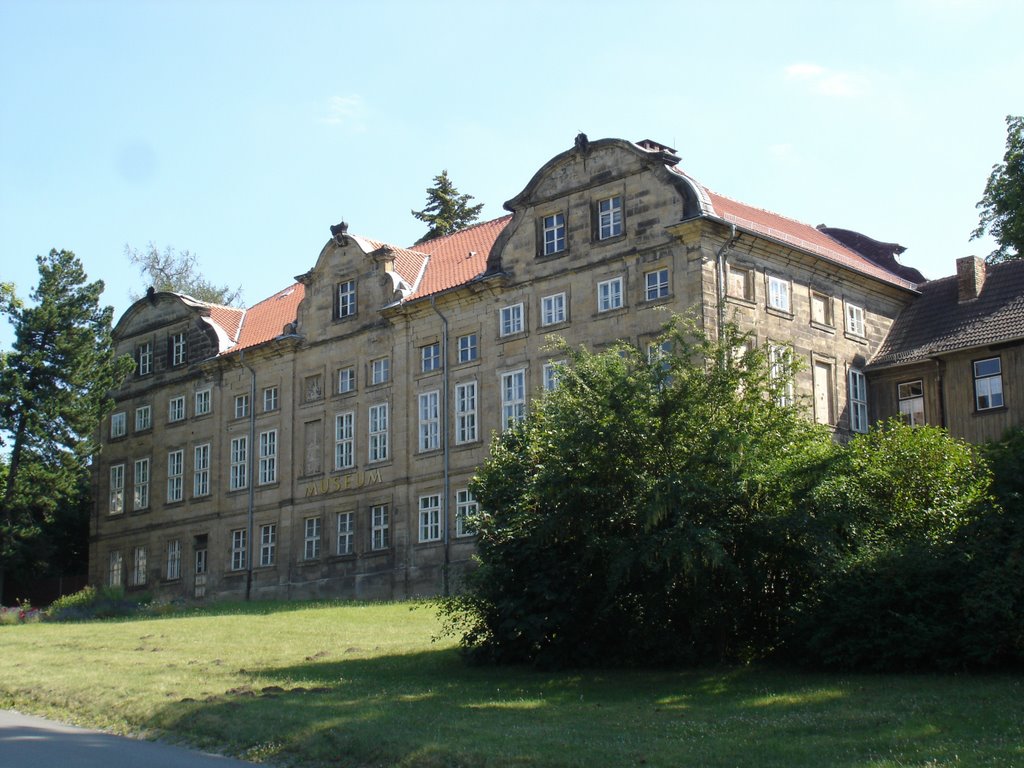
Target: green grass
(363,685)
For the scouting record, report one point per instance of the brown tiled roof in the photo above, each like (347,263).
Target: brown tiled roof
(937,322)
(457,258)
(267,320)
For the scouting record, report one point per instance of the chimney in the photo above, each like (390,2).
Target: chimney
(970,277)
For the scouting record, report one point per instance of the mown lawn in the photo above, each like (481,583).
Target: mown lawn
(332,684)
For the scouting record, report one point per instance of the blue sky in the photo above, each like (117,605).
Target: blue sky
(242,130)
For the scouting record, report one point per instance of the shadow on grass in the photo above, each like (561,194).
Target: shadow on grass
(429,709)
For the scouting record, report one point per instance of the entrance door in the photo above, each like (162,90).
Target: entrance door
(823,392)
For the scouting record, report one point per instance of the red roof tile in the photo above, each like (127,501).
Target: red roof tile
(228,318)
(457,258)
(267,320)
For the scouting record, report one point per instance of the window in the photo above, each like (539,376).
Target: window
(143,418)
(988,384)
(430,357)
(467,348)
(822,379)
(430,421)
(201,552)
(201,470)
(854,319)
(175,471)
(513,397)
(345,533)
(609,294)
(346,306)
(144,359)
(554,233)
(238,550)
(430,518)
(311,540)
(551,375)
(858,401)
(821,308)
(202,406)
(512,320)
(268,544)
(740,283)
(173,560)
(778,293)
(177,349)
(380,370)
(117,489)
(656,284)
(268,457)
(609,218)
(239,475)
(466,509)
(138,566)
(379,527)
(118,424)
(241,406)
(346,380)
(552,309)
(141,484)
(270,400)
(780,357)
(465,412)
(344,440)
(176,408)
(378,430)
(114,569)
(911,400)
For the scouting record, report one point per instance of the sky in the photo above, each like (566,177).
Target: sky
(240,131)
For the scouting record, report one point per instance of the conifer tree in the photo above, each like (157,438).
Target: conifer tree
(446,211)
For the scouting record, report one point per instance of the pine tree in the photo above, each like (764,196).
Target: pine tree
(1002,205)
(446,211)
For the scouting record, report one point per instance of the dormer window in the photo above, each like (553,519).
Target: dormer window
(609,218)
(554,234)
(345,300)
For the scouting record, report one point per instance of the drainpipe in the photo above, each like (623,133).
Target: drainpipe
(444,442)
(250,544)
(720,275)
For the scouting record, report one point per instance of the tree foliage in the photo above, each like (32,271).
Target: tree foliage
(1002,205)
(178,272)
(446,210)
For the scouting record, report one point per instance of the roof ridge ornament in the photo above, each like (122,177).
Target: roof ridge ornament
(339,232)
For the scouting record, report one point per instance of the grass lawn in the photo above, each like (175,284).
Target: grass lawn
(363,685)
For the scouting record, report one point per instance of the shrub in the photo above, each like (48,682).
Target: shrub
(92,603)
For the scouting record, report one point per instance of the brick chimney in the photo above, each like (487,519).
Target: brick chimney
(970,277)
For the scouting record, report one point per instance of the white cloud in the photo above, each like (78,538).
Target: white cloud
(829,82)
(344,110)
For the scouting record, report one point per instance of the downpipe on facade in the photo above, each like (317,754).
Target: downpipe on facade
(251,480)
(445,587)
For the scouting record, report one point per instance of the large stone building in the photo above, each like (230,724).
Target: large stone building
(322,441)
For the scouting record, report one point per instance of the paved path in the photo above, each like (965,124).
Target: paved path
(32,742)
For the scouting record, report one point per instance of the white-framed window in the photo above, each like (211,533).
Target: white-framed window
(268,457)
(609,217)
(344,440)
(513,397)
(378,432)
(173,560)
(858,401)
(141,484)
(778,293)
(430,421)
(468,348)
(740,283)
(238,477)
(465,412)
(144,359)
(430,518)
(203,403)
(466,509)
(239,548)
(854,319)
(115,569)
(270,399)
(380,370)
(138,566)
(430,357)
(176,408)
(346,299)
(780,358)
(911,402)
(656,284)
(346,533)
(609,294)
(175,475)
(346,380)
(268,544)
(143,418)
(177,349)
(116,489)
(201,559)
(379,538)
(118,424)
(552,309)
(821,308)
(988,384)
(201,470)
(241,406)
(512,320)
(554,233)
(311,539)
(550,374)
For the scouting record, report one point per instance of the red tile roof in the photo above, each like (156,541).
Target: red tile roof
(267,320)
(457,258)
(228,318)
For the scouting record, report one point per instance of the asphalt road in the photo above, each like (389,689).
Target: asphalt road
(32,742)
